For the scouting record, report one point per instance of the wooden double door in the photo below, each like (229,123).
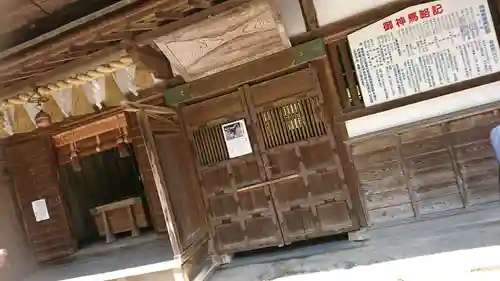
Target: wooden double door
(290,186)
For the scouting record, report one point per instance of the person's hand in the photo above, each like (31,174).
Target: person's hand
(3,257)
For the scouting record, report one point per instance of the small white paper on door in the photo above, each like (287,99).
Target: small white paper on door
(40,210)
(236,137)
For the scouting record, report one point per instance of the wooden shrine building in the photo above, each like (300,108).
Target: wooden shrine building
(175,133)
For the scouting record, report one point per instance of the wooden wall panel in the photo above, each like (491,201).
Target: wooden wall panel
(382,178)
(428,169)
(32,167)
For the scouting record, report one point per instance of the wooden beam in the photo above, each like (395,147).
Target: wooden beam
(168,15)
(202,4)
(78,66)
(91,130)
(141,26)
(134,107)
(153,60)
(476,82)
(89,47)
(235,77)
(162,119)
(113,22)
(114,37)
(309,14)
(67,27)
(148,37)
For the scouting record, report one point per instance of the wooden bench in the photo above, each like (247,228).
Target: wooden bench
(119,217)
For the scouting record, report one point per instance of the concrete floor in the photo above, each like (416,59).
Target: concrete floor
(461,245)
(145,255)
(456,244)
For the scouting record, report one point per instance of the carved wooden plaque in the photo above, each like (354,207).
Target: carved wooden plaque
(229,39)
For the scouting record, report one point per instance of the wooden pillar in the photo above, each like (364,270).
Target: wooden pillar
(334,109)
(309,14)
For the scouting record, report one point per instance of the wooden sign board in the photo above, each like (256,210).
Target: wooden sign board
(237,36)
(425,47)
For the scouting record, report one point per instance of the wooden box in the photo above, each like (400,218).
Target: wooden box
(119,217)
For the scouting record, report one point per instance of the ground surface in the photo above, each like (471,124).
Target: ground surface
(458,246)
(125,257)
(461,246)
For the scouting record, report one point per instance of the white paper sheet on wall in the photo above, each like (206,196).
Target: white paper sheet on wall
(237,140)
(40,210)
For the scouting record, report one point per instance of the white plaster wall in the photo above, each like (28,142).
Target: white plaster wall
(291,16)
(329,11)
(423,110)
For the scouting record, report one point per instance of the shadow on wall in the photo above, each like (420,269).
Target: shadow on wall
(21,261)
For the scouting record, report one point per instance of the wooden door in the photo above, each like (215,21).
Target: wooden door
(291,187)
(147,178)
(298,150)
(32,167)
(175,177)
(240,208)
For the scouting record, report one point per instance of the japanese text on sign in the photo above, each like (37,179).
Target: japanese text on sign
(414,17)
(425,47)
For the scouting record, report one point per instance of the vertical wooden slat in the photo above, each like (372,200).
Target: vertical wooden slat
(278,132)
(303,123)
(199,152)
(456,169)
(289,120)
(407,176)
(309,13)
(208,145)
(349,72)
(282,126)
(338,75)
(213,144)
(307,119)
(262,126)
(222,144)
(303,115)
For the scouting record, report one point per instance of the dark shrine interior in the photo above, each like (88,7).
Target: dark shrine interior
(105,177)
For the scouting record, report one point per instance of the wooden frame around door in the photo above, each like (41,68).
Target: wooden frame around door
(190,248)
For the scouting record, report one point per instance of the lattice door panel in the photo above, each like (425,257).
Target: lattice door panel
(240,207)
(298,153)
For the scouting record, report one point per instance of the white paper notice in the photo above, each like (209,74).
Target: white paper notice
(237,140)
(40,210)
(425,47)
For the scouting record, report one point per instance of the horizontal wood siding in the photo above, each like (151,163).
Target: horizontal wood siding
(429,169)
